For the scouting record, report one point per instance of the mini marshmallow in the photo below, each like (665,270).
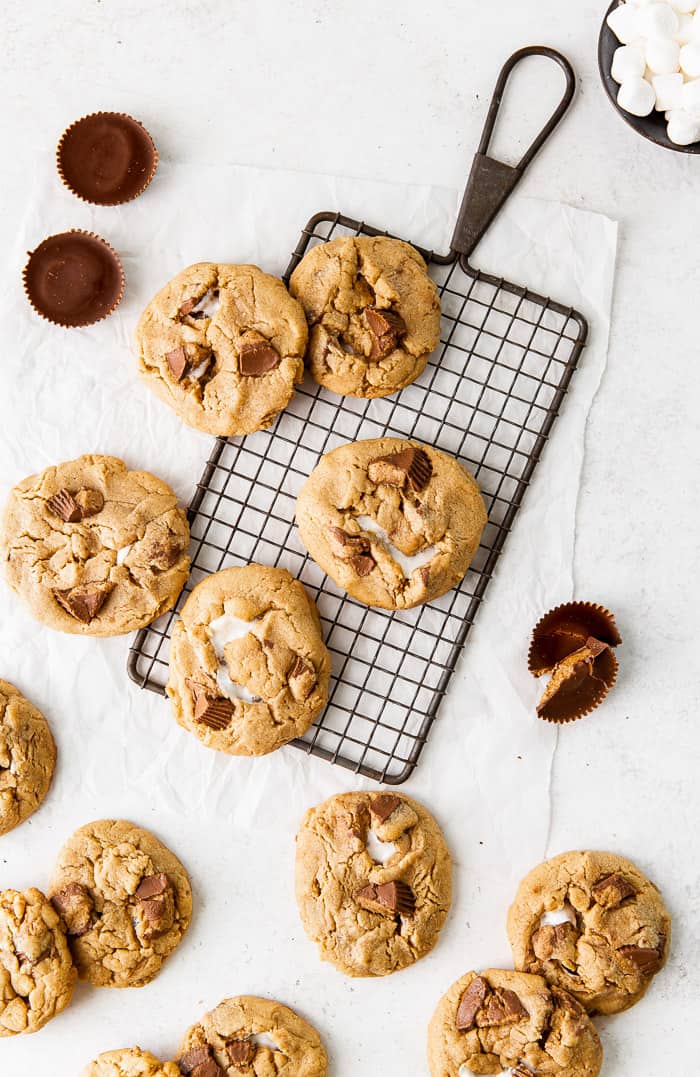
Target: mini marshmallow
(637,97)
(686,29)
(683,129)
(624,21)
(628,62)
(690,98)
(658,20)
(690,59)
(663,55)
(668,90)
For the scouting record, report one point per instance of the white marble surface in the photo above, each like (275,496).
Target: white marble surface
(397,91)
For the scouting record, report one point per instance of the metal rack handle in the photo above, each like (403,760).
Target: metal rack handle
(491,182)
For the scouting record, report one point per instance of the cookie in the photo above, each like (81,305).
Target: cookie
(592,924)
(125,901)
(393,522)
(498,1021)
(373,881)
(130,1062)
(373,313)
(37,975)
(253,1036)
(93,548)
(27,757)
(223,345)
(248,667)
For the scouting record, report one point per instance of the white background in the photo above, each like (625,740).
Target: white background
(397,92)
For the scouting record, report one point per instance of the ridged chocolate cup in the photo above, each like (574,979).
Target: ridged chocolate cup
(561,633)
(74,279)
(106,158)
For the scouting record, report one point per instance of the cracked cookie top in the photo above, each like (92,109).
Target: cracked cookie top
(37,975)
(248,667)
(93,548)
(502,1021)
(224,346)
(253,1036)
(130,1062)
(393,522)
(592,924)
(125,901)
(373,881)
(373,313)
(27,757)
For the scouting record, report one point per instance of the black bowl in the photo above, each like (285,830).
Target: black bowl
(652,127)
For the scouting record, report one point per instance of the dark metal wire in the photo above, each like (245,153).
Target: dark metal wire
(489,396)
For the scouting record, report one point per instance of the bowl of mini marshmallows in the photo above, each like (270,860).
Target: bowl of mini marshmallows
(649,57)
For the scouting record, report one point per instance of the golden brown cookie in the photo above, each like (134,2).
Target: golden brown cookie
(393,522)
(502,1021)
(248,668)
(254,1036)
(223,345)
(593,924)
(93,548)
(130,1062)
(373,312)
(37,975)
(373,881)
(125,901)
(27,757)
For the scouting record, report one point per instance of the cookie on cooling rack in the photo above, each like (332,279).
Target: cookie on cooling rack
(254,1036)
(248,667)
(501,1021)
(592,924)
(393,522)
(125,901)
(93,548)
(373,313)
(27,757)
(373,881)
(223,345)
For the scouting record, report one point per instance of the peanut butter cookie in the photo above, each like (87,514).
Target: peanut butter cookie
(125,901)
(248,668)
(27,757)
(93,548)
(223,345)
(593,924)
(253,1036)
(373,312)
(130,1062)
(501,1021)
(373,881)
(393,522)
(37,975)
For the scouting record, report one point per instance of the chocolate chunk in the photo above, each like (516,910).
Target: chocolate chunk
(612,891)
(257,357)
(387,899)
(84,602)
(648,961)
(411,465)
(213,711)
(503,1007)
(556,942)
(579,683)
(198,1056)
(63,504)
(565,629)
(163,553)
(188,306)
(424,573)
(346,546)
(208,1069)
(177,362)
(151,885)
(241,1053)
(74,905)
(363,564)
(386,328)
(198,315)
(472,1000)
(106,158)
(301,678)
(89,501)
(383,804)
(74,279)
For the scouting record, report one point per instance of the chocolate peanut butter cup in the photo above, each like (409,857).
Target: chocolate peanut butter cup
(106,158)
(574,644)
(74,279)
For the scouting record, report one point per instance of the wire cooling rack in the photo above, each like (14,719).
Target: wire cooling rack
(489,395)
